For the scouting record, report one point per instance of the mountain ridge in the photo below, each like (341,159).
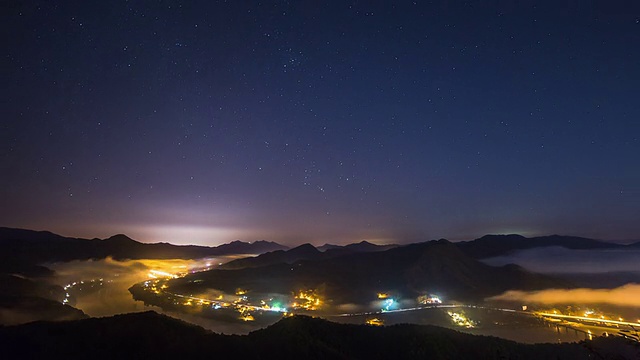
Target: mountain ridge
(304,252)
(411,270)
(44,246)
(495,245)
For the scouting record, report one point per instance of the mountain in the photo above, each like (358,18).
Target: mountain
(136,335)
(23,299)
(19,247)
(241,247)
(153,336)
(23,309)
(17,285)
(326,247)
(435,266)
(363,246)
(26,292)
(302,252)
(496,245)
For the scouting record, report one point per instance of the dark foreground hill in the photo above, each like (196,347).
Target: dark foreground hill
(23,300)
(153,336)
(431,267)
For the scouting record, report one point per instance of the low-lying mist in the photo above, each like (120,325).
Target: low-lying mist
(562,260)
(113,296)
(604,276)
(627,295)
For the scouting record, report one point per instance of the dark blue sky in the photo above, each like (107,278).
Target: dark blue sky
(203,121)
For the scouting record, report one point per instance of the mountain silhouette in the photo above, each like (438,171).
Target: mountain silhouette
(496,245)
(35,247)
(362,246)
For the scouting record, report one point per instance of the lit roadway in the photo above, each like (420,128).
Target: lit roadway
(588,319)
(628,328)
(610,325)
(559,316)
(408,309)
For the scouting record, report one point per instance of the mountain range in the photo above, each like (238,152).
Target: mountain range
(434,266)
(22,247)
(304,252)
(19,246)
(348,273)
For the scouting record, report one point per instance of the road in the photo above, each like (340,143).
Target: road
(580,323)
(589,319)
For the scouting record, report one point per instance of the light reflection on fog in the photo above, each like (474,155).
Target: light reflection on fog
(118,276)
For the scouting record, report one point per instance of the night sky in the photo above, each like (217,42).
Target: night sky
(308,121)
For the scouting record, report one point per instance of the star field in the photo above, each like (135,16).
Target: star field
(210,121)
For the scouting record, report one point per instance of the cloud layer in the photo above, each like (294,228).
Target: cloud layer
(627,295)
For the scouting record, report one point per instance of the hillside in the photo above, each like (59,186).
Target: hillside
(436,266)
(24,309)
(303,252)
(362,246)
(153,336)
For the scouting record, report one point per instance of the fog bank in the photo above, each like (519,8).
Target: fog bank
(627,295)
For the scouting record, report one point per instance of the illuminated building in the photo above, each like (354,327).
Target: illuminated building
(388,304)
(306,300)
(429,299)
(461,320)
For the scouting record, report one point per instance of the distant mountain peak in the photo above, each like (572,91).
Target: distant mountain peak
(503,236)
(306,247)
(257,242)
(256,247)
(365,242)
(265,242)
(442,241)
(328,246)
(119,237)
